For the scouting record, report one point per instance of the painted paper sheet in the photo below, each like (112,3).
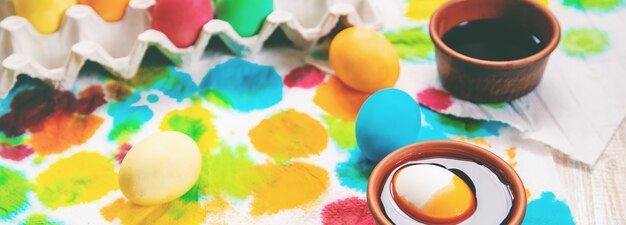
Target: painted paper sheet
(276,135)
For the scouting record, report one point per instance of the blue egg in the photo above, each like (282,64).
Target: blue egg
(388,120)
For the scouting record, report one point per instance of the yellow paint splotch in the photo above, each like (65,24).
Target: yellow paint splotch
(289,134)
(291,186)
(80,178)
(339,100)
(194,121)
(512,153)
(422,9)
(175,212)
(478,141)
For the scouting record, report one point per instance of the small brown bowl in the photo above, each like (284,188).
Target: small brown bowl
(486,81)
(445,149)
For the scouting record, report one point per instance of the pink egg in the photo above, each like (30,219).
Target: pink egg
(181,20)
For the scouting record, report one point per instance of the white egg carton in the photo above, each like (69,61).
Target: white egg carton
(57,58)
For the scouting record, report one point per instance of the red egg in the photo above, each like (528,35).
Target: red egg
(181,20)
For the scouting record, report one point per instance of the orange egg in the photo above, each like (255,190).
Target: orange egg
(432,194)
(364,59)
(109,10)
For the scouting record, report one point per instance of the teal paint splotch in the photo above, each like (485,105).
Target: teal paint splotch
(177,85)
(548,210)
(594,5)
(445,127)
(128,119)
(152,98)
(243,85)
(355,172)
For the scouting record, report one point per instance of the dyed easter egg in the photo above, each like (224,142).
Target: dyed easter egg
(364,59)
(109,10)
(246,16)
(387,121)
(432,194)
(160,168)
(181,20)
(45,15)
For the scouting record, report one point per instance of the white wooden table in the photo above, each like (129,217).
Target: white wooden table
(597,195)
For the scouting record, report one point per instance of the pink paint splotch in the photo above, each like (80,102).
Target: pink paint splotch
(121,152)
(435,99)
(306,76)
(15,153)
(351,210)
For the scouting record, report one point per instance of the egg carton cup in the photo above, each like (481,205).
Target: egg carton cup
(83,36)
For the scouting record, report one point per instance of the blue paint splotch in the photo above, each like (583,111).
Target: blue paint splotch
(177,85)
(548,210)
(355,172)
(242,85)
(437,126)
(127,118)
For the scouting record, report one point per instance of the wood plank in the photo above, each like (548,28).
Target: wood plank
(597,195)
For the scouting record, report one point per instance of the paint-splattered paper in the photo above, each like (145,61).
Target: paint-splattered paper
(578,105)
(276,135)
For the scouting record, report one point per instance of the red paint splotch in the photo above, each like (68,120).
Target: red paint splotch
(121,152)
(351,211)
(306,76)
(30,108)
(435,99)
(15,153)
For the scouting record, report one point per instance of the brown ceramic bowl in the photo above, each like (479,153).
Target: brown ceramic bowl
(445,149)
(492,81)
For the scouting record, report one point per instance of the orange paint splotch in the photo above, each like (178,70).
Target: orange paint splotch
(59,132)
(528,193)
(512,153)
(175,212)
(288,135)
(80,178)
(339,100)
(291,186)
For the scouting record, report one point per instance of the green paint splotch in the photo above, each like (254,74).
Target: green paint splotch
(13,189)
(584,42)
(594,5)
(127,118)
(412,43)
(231,172)
(39,219)
(11,140)
(548,210)
(495,105)
(194,121)
(342,132)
